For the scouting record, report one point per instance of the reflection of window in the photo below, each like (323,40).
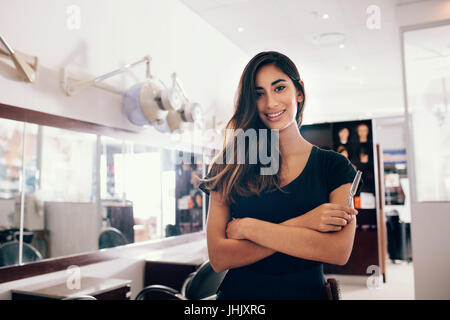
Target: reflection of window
(394,172)
(139,174)
(132,172)
(11,148)
(68,165)
(189,198)
(110,150)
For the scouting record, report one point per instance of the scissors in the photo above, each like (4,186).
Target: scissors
(353,190)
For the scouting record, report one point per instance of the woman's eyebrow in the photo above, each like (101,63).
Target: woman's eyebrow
(273,83)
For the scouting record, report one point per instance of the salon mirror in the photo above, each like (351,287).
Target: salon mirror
(82,187)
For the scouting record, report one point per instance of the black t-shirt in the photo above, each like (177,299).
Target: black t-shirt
(281,276)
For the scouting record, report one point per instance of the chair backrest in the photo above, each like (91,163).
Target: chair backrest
(84,297)
(111,237)
(204,283)
(9,253)
(172,230)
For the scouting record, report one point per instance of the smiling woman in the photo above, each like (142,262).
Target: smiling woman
(274,231)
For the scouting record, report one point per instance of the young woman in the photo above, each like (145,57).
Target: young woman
(273,232)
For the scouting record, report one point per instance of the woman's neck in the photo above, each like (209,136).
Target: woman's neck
(291,142)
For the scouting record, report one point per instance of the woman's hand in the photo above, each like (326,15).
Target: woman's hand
(329,217)
(235,229)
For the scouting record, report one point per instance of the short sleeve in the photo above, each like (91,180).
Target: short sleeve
(340,171)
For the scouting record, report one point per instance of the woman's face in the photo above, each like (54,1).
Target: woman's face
(277,98)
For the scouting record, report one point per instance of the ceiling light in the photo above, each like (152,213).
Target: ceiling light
(240,29)
(328,39)
(341,46)
(325,16)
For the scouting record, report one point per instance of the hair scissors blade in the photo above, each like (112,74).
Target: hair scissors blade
(354,188)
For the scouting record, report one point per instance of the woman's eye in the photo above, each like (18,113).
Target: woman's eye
(259,94)
(280,88)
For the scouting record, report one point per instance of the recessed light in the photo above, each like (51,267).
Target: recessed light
(325,16)
(341,46)
(328,39)
(240,29)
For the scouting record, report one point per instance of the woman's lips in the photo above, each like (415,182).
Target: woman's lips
(275,118)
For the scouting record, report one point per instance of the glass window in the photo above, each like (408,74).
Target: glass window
(11,146)
(68,165)
(427,66)
(131,183)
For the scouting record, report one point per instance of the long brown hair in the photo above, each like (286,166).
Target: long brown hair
(237,179)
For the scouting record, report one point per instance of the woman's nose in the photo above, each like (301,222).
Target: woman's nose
(271,101)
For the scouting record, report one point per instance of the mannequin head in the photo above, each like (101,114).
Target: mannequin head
(344,133)
(363,132)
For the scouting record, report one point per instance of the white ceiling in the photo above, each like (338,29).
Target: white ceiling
(369,61)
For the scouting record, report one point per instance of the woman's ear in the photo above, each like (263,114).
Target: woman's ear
(300,94)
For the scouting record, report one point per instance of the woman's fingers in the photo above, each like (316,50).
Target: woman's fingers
(349,210)
(334,228)
(337,221)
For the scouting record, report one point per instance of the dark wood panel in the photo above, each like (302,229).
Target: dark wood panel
(51,120)
(117,294)
(121,293)
(167,273)
(12,273)
(364,254)
(382,240)
(23,296)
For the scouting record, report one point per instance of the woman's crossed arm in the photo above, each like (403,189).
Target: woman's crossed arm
(245,241)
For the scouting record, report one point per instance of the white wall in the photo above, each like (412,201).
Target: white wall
(430,235)
(391,133)
(73,227)
(111,34)
(423,12)
(430,222)
(7,210)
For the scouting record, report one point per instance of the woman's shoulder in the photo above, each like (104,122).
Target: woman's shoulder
(328,158)
(327,153)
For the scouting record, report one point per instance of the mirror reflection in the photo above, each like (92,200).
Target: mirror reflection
(85,192)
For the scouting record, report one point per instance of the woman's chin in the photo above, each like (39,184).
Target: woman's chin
(279,125)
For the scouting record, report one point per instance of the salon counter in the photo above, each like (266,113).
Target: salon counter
(101,289)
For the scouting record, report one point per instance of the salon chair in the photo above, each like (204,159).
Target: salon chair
(199,285)
(12,234)
(9,253)
(111,237)
(84,297)
(172,230)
